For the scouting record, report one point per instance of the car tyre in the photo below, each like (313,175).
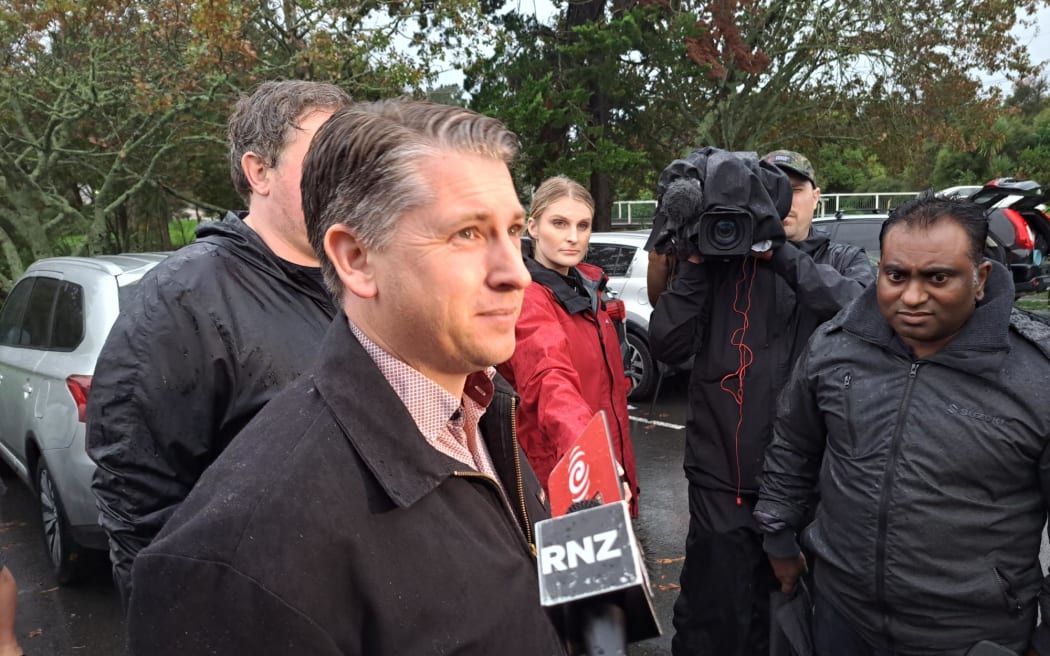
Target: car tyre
(639,368)
(65,555)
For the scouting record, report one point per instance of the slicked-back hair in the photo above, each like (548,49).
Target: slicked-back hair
(930,208)
(366,167)
(554,189)
(263,122)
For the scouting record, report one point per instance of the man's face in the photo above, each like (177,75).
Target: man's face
(928,285)
(285,194)
(451,282)
(803,204)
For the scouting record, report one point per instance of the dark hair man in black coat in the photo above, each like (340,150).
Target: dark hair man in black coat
(381,504)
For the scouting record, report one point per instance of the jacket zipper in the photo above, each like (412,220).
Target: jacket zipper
(884,500)
(612,386)
(1013,604)
(847,382)
(519,479)
(518,474)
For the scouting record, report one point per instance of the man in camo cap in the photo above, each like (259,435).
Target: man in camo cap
(806,192)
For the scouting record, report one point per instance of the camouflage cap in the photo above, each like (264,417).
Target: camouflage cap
(792,162)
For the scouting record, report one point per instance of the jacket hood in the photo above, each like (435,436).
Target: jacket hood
(590,276)
(978,348)
(233,235)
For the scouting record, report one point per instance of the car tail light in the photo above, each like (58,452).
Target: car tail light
(79,387)
(1022,233)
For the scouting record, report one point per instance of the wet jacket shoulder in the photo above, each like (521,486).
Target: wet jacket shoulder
(210,335)
(934,474)
(344,532)
(567,366)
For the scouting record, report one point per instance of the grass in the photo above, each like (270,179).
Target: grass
(1035,303)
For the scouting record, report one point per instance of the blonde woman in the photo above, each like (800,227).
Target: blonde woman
(567,363)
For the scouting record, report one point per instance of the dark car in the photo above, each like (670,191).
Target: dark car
(1020,229)
(1018,232)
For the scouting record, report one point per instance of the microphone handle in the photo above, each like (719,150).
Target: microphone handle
(603,629)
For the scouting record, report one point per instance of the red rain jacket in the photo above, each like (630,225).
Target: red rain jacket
(567,365)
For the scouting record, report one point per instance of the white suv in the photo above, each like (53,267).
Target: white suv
(52,328)
(622,257)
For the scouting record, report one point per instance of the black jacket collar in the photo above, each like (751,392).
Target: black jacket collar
(379,427)
(234,235)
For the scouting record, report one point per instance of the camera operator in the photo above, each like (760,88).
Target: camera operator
(745,317)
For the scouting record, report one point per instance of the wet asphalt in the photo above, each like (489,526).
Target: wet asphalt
(86,619)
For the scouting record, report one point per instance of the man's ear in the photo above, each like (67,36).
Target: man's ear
(257,170)
(816,197)
(351,261)
(983,269)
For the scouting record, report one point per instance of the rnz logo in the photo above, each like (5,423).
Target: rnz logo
(579,475)
(591,549)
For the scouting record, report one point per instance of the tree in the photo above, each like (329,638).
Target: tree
(112,112)
(746,75)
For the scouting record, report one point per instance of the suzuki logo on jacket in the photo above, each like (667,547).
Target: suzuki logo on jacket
(975,414)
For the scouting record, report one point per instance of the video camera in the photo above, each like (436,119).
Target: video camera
(720,204)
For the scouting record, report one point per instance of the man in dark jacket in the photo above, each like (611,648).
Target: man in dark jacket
(381,504)
(921,411)
(215,331)
(746,320)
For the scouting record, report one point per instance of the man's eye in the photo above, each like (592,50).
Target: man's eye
(516,230)
(894,276)
(468,233)
(939,278)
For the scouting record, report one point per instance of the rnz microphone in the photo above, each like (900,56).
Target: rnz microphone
(590,564)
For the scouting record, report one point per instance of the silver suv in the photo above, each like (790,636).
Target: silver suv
(52,327)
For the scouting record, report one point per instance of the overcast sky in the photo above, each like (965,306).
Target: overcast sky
(1037,39)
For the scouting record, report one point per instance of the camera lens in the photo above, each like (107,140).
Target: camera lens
(725,232)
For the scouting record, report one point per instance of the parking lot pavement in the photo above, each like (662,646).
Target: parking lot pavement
(658,435)
(84,620)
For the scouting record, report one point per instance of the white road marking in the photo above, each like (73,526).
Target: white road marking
(657,422)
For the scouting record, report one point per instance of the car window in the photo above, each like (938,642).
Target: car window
(865,235)
(11,333)
(614,259)
(68,328)
(36,321)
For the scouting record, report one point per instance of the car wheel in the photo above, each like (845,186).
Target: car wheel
(639,367)
(65,555)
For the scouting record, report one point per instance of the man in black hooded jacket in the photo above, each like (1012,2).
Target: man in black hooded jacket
(746,320)
(214,331)
(920,412)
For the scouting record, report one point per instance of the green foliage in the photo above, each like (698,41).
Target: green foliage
(112,113)
(870,100)
(953,168)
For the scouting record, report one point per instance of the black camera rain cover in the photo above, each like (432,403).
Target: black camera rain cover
(723,179)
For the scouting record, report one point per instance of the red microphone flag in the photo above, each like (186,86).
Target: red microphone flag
(587,471)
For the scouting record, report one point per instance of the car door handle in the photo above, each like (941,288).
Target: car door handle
(28,389)
(612,293)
